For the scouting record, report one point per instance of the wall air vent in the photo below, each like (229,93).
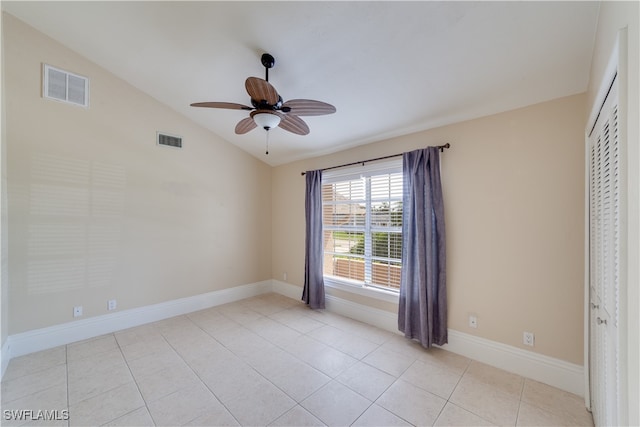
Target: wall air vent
(65,86)
(169,140)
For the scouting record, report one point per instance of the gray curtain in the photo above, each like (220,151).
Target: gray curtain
(422,313)
(313,293)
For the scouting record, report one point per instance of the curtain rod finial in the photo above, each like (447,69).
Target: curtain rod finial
(442,147)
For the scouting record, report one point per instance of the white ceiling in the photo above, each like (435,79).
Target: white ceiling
(390,68)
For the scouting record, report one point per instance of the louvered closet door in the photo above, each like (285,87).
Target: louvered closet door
(604,254)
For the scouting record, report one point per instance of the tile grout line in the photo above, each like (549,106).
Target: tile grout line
(188,365)
(361,360)
(191,368)
(92,356)
(195,373)
(6,404)
(133,377)
(448,400)
(524,380)
(298,403)
(253,368)
(306,334)
(453,391)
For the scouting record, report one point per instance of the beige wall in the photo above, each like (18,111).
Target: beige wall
(513,187)
(614,16)
(97,211)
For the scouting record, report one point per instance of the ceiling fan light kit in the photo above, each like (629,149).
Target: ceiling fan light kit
(265,120)
(268,109)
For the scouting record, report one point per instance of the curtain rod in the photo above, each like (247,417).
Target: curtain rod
(440,147)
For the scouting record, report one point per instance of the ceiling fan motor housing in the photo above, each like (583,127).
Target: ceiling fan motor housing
(264,105)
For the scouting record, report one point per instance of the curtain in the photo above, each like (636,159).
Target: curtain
(422,313)
(313,293)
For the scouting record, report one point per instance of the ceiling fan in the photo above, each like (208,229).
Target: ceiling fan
(268,110)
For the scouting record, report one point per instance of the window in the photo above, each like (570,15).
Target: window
(362,222)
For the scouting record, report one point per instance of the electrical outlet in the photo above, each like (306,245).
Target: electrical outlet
(284,276)
(77,311)
(473,321)
(528,338)
(111,304)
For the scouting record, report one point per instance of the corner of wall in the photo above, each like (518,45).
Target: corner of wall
(4,278)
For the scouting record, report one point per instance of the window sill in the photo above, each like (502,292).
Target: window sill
(359,289)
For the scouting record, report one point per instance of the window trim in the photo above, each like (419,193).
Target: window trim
(359,288)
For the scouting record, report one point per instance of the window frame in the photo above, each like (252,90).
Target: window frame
(380,292)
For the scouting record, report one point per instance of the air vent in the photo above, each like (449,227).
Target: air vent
(169,140)
(65,86)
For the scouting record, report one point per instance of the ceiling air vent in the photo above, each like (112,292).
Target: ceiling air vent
(169,140)
(65,86)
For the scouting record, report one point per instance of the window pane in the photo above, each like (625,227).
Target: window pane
(344,191)
(349,268)
(384,215)
(386,274)
(396,214)
(387,186)
(344,242)
(345,215)
(387,245)
(380,214)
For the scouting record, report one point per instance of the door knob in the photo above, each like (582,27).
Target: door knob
(601,321)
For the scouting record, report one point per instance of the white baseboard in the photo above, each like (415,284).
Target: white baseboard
(558,373)
(373,316)
(287,289)
(549,370)
(53,336)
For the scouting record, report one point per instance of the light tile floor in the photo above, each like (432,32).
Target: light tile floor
(269,360)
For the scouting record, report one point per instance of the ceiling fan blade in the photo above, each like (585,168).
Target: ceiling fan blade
(227,105)
(293,124)
(245,125)
(261,90)
(308,107)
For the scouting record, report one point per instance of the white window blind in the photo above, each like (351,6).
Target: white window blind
(362,220)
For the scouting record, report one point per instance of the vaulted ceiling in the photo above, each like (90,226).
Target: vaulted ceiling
(390,68)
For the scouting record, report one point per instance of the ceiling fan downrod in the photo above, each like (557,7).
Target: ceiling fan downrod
(268,61)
